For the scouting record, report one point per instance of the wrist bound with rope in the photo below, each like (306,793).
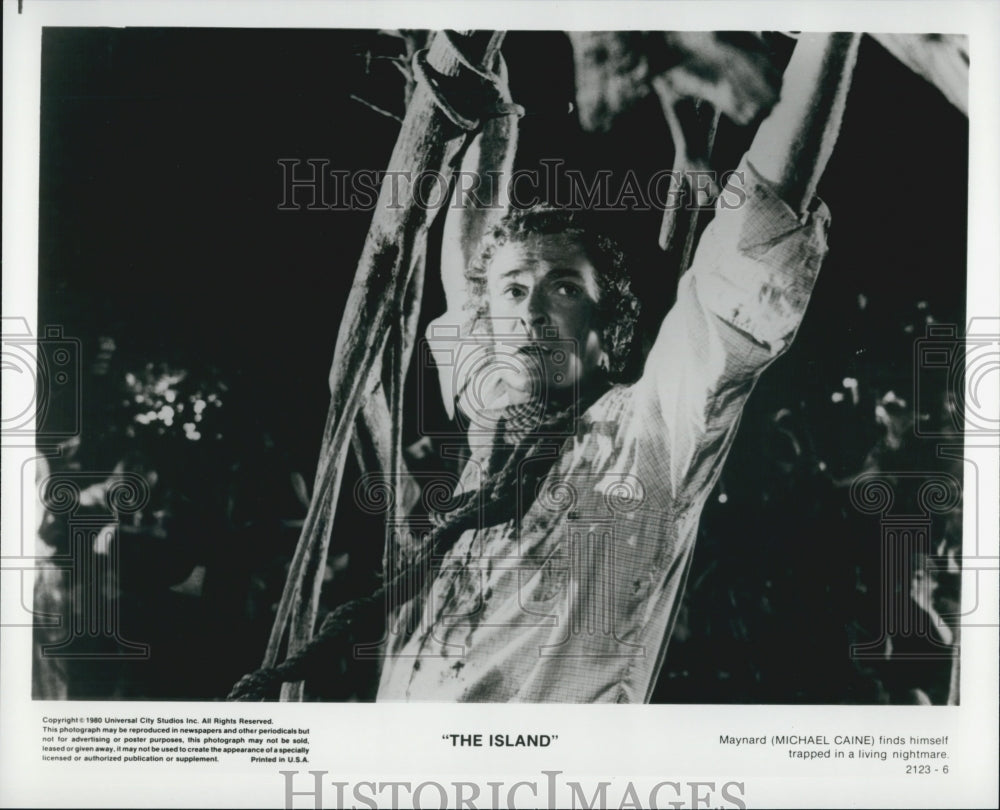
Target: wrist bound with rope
(473,96)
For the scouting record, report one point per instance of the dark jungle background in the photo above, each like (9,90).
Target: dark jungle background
(207,319)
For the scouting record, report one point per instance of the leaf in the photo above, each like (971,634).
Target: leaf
(733,71)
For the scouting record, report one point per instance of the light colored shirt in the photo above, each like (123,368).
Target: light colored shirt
(577,603)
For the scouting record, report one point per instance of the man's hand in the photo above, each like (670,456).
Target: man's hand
(794,143)
(480,198)
(479,201)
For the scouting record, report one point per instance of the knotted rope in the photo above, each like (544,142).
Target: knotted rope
(466,89)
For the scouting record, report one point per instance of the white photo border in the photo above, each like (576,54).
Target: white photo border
(642,744)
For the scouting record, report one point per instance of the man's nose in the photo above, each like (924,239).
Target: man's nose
(538,316)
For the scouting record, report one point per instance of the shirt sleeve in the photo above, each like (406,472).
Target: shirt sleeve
(737,309)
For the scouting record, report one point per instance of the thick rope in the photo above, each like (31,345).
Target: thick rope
(445,90)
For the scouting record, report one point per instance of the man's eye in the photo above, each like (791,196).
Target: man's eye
(568,290)
(515,292)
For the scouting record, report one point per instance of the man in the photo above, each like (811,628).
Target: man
(557,571)
(566,585)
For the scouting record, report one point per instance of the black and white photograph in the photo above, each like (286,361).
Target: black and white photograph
(622,361)
(546,365)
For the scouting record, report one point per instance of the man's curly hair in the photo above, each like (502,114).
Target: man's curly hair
(617,308)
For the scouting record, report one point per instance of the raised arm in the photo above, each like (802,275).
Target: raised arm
(478,202)
(742,302)
(794,143)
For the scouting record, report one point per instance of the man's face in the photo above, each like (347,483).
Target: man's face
(542,295)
